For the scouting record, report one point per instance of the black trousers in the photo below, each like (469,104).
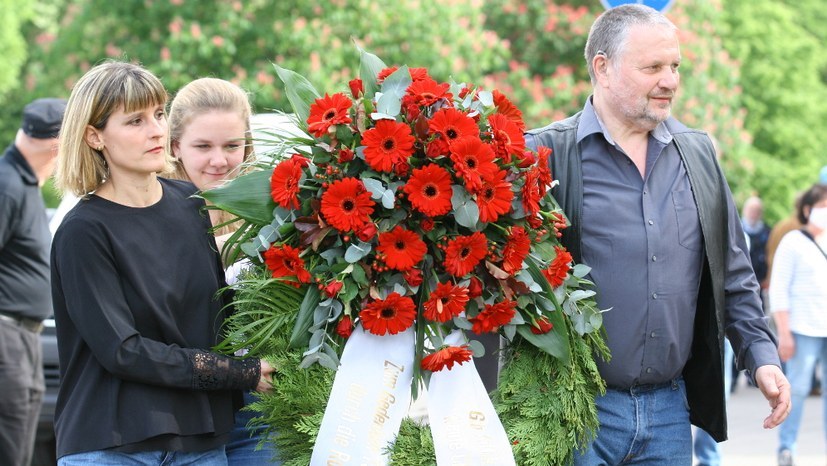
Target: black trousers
(21,392)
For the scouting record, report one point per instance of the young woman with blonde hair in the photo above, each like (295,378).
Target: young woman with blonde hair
(135,278)
(209,122)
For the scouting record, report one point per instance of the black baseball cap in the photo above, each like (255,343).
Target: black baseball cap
(42,117)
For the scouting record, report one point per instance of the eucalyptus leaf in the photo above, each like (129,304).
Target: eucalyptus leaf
(326,361)
(359,276)
(268,234)
(356,251)
(581,270)
(299,91)
(309,360)
(316,339)
(250,248)
(376,116)
(477,348)
(486,98)
(330,255)
(376,187)
(397,83)
(463,323)
(389,104)
(467,215)
(577,295)
(510,331)
(369,67)
(388,199)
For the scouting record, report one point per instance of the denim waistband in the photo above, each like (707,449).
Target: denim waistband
(647,387)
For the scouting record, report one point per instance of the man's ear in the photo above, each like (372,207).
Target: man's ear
(93,137)
(601,64)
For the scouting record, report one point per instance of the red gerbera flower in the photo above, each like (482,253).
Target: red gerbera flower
(401,249)
(541,326)
(416,73)
(543,171)
(429,190)
(284,261)
(531,193)
(387,144)
(328,111)
(394,314)
(508,109)
(426,92)
(463,253)
(473,161)
(508,138)
(493,316)
(516,249)
(494,197)
(558,270)
(451,124)
(284,184)
(346,205)
(446,357)
(445,302)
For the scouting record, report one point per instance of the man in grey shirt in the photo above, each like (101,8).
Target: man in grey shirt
(652,215)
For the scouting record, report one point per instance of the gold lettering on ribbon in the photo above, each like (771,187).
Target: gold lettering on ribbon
(344,434)
(390,376)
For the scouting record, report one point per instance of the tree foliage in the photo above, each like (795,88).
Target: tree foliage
(752,76)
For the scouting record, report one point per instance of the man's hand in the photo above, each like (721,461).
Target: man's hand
(776,390)
(265,383)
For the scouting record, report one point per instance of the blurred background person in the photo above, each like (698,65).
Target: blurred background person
(25,300)
(135,281)
(209,123)
(752,219)
(798,296)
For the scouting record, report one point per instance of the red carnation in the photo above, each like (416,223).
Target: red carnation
(367,232)
(328,111)
(475,288)
(346,205)
(356,88)
(446,358)
(429,190)
(394,314)
(333,288)
(413,277)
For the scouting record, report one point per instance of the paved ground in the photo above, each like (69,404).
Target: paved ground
(750,444)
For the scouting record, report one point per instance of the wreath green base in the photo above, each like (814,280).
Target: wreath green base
(547,417)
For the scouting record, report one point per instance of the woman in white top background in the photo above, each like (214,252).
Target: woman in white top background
(798,299)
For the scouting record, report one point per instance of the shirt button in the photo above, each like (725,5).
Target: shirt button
(651,222)
(654,296)
(648,370)
(653,335)
(654,258)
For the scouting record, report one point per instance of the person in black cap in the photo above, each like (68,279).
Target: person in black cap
(25,298)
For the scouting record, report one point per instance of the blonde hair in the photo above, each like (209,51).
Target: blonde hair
(99,93)
(197,98)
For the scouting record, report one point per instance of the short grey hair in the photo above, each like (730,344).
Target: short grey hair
(610,30)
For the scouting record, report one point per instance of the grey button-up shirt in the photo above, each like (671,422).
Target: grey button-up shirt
(642,238)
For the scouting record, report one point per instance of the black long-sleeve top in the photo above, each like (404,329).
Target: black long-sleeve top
(136,310)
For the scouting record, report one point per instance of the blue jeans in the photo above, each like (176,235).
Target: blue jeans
(644,425)
(799,371)
(707,451)
(241,449)
(215,457)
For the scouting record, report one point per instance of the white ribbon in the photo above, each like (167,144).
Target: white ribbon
(464,425)
(370,396)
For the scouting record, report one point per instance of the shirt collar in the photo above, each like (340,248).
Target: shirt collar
(21,165)
(590,123)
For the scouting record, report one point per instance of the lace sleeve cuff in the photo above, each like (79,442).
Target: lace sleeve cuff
(211,371)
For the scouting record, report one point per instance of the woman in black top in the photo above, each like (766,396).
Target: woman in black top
(135,277)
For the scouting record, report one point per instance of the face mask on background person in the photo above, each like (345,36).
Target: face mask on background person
(818,217)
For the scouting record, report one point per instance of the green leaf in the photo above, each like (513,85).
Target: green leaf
(304,319)
(476,348)
(355,252)
(299,91)
(369,67)
(555,342)
(397,83)
(247,196)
